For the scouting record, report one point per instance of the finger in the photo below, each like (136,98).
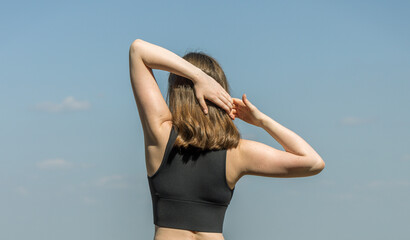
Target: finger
(236,100)
(246,101)
(232,114)
(225,97)
(221,104)
(203,104)
(228,96)
(226,101)
(239,103)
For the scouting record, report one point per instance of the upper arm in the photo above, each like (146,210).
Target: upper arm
(262,160)
(152,108)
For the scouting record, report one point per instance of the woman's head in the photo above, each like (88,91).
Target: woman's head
(214,130)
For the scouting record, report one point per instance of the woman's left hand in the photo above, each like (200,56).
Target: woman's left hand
(208,88)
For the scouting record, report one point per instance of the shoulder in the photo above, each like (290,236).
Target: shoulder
(235,167)
(241,157)
(237,152)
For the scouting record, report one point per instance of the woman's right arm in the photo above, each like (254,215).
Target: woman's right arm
(255,158)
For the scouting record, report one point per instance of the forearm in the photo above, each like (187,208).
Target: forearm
(156,57)
(290,141)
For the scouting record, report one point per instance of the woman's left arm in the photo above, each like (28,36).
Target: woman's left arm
(152,108)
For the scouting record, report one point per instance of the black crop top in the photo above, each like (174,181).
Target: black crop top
(189,189)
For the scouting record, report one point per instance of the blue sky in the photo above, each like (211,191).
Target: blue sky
(336,73)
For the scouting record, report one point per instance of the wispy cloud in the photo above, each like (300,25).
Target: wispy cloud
(68,104)
(113,181)
(21,191)
(352,121)
(405,157)
(59,163)
(56,163)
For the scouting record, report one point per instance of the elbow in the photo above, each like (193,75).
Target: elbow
(318,167)
(321,164)
(321,167)
(136,43)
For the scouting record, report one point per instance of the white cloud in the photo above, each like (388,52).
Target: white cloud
(351,121)
(21,191)
(56,163)
(113,181)
(68,104)
(405,157)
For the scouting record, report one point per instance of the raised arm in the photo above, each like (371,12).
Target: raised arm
(152,108)
(255,158)
(156,57)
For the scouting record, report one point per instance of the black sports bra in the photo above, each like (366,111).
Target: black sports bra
(189,189)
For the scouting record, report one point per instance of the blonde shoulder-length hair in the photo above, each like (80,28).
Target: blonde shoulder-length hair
(212,131)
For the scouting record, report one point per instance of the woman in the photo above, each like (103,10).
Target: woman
(193,151)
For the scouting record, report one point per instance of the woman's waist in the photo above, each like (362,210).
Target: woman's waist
(165,233)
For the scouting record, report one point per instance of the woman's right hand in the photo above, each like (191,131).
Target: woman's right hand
(246,111)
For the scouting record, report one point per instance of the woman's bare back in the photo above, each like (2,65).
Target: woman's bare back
(163,233)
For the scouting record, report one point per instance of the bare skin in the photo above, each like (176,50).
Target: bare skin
(249,158)
(162,233)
